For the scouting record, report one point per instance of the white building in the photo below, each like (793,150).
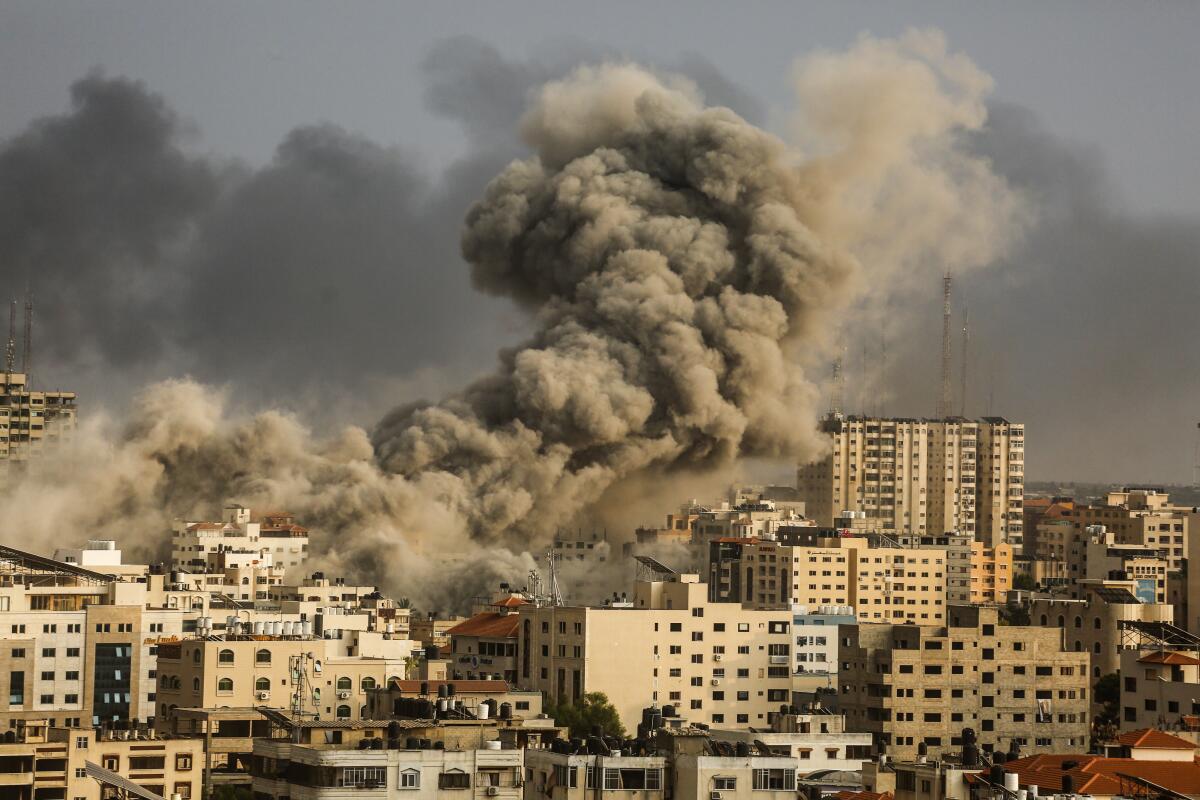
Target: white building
(816,631)
(239,530)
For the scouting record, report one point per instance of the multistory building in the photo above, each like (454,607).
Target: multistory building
(31,421)
(959,550)
(1160,687)
(712,662)
(881,580)
(815,632)
(913,685)
(991,572)
(192,542)
(921,476)
(485,646)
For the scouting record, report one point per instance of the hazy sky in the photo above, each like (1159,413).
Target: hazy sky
(1090,328)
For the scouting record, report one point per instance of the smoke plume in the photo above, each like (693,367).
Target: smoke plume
(680,272)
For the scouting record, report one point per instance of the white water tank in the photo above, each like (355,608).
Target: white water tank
(1011,781)
(491,744)
(287,628)
(483,711)
(258,628)
(305,628)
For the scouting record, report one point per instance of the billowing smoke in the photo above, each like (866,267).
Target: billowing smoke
(682,271)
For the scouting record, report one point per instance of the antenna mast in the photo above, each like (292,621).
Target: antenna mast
(838,390)
(27,356)
(966,340)
(10,351)
(555,592)
(944,403)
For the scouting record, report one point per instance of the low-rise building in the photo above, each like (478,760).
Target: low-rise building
(485,646)
(912,685)
(817,739)
(1160,688)
(815,630)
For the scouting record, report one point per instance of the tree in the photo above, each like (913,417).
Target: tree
(586,713)
(1013,614)
(1024,581)
(1108,694)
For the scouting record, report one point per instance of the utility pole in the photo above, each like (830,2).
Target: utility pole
(945,402)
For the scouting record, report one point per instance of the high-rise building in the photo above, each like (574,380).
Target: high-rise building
(30,421)
(921,476)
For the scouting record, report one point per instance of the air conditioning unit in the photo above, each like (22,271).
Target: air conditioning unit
(717,657)
(343,695)
(492,791)
(716,681)
(714,796)
(264,695)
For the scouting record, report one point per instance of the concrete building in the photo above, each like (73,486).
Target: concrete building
(714,662)
(260,670)
(393,699)
(815,631)
(42,761)
(31,421)
(315,760)
(239,530)
(921,476)
(1160,688)
(881,580)
(817,739)
(910,685)
(991,572)
(485,646)
(1097,624)
(958,549)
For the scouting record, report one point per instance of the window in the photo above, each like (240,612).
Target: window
(262,657)
(775,780)
(18,652)
(362,776)
(343,712)
(184,790)
(454,779)
(411,779)
(225,685)
(47,652)
(724,783)
(367,684)
(262,684)
(224,657)
(143,763)
(344,684)
(183,762)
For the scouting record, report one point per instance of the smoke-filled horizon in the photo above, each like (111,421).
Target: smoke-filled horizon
(673,281)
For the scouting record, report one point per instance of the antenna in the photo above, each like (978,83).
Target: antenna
(966,340)
(555,592)
(944,403)
(838,390)
(27,356)
(884,386)
(10,351)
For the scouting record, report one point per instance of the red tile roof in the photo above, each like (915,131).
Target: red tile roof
(1175,659)
(414,687)
(1098,775)
(863,795)
(512,602)
(1154,738)
(490,624)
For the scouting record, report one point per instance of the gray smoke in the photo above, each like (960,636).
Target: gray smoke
(678,269)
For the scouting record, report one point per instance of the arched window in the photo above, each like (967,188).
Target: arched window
(196,656)
(195,684)
(162,681)
(1079,622)
(343,712)
(394,680)
(1078,646)
(1095,672)
(1062,621)
(225,685)
(362,712)
(1096,648)
(1044,620)
(245,581)
(344,684)
(368,684)
(1096,623)
(262,685)
(262,657)
(176,683)
(225,657)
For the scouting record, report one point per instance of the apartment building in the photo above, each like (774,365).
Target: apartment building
(881,580)
(921,476)
(76,646)
(485,646)
(1097,624)
(684,764)
(31,421)
(320,760)
(1160,688)
(816,738)
(716,663)
(959,550)
(239,530)
(262,670)
(38,760)
(991,572)
(910,685)
(815,632)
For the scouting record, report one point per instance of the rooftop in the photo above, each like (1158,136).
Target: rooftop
(490,624)
(1103,776)
(1154,738)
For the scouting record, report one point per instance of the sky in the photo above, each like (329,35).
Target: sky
(340,145)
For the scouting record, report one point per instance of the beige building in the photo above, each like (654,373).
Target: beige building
(254,670)
(883,583)
(921,476)
(911,684)
(716,663)
(991,572)
(30,421)
(41,761)
(1159,688)
(274,533)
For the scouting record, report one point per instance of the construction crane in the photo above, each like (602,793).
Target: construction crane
(945,401)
